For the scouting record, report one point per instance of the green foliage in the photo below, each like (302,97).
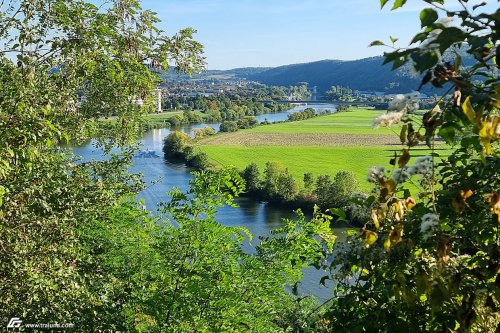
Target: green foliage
(228,126)
(184,270)
(278,183)
(344,186)
(301,115)
(308,180)
(299,244)
(336,193)
(203,132)
(429,263)
(64,65)
(175,143)
(251,175)
(247,122)
(198,161)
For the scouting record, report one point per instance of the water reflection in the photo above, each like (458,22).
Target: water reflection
(161,176)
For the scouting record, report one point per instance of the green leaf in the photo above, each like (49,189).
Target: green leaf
(351,232)
(448,37)
(2,192)
(447,134)
(393,39)
(376,43)
(382,3)
(419,37)
(339,213)
(398,3)
(428,16)
(424,60)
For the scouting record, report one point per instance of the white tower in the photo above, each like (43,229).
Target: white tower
(158,100)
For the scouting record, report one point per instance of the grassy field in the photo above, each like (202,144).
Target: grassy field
(321,145)
(356,121)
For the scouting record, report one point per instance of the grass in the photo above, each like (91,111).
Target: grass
(299,160)
(355,121)
(351,144)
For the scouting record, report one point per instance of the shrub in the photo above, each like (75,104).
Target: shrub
(228,126)
(174,144)
(247,122)
(251,175)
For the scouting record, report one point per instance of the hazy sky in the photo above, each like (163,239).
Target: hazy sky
(244,33)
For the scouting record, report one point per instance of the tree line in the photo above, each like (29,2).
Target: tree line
(75,246)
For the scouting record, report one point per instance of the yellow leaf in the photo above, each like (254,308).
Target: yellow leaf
(465,194)
(410,203)
(469,110)
(494,200)
(403,160)
(486,138)
(496,97)
(396,235)
(494,130)
(387,244)
(387,188)
(370,238)
(374,217)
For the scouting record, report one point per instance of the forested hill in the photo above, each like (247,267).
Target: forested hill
(362,74)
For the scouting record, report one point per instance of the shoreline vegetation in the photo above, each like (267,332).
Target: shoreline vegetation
(285,163)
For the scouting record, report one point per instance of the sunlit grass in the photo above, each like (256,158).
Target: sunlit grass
(355,121)
(319,160)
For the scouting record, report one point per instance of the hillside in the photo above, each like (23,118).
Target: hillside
(367,74)
(363,74)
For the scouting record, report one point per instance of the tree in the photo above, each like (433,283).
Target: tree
(308,181)
(251,175)
(279,184)
(430,262)
(228,126)
(65,65)
(175,143)
(247,122)
(323,191)
(344,186)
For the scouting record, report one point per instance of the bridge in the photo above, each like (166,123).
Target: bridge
(377,105)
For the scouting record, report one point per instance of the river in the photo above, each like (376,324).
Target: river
(258,217)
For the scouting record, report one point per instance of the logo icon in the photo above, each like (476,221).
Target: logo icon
(14,323)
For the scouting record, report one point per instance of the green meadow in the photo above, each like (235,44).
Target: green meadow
(316,157)
(355,121)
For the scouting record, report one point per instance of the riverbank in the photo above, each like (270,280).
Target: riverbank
(321,145)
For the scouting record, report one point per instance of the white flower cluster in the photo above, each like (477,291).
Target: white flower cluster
(398,107)
(401,175)
(388,119)
(375,174)
(429,223)
(423,167)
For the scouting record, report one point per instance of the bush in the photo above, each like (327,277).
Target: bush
(203,132)
(198,161)
(228,126)
(251,175)
(247,122)
(176,120)
(427,259)
(174,144)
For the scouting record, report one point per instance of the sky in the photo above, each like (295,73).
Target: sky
(268,33)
